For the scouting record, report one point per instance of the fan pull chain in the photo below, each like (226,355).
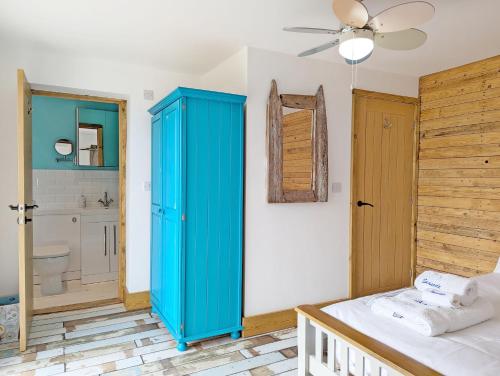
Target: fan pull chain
(354,74)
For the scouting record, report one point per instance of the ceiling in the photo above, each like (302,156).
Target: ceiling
(192,36)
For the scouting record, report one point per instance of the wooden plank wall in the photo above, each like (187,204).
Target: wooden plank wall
(458,228)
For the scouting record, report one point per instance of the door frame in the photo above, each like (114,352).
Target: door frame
(24,198)
(356,93)
(122,168)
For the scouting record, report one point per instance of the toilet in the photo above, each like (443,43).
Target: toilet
(50,262)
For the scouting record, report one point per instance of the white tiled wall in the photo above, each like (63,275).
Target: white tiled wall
(61,189)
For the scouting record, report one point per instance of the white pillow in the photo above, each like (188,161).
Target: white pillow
(497,269)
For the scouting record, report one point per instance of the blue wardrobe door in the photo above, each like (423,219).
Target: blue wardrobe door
(156,209)
(172,233)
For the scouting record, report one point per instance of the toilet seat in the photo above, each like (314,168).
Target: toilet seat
(50,251)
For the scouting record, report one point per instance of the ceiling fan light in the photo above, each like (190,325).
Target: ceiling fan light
(356,44)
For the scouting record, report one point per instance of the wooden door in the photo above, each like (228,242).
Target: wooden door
(24,193)
(383,186)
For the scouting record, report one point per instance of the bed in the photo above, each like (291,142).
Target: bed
(347,338)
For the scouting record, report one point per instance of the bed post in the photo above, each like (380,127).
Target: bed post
(305,342)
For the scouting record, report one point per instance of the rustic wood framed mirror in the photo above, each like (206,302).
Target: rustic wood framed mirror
(297,147)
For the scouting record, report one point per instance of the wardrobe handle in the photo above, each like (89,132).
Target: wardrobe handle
(105,240)
(114,239)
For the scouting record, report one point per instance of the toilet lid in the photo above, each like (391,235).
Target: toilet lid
(54,250)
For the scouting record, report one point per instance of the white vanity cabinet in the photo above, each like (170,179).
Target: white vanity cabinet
(99,248)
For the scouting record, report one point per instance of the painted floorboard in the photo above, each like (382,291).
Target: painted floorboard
(111,341)
(242,365)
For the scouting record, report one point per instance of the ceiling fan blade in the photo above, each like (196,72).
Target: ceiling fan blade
(401,40)
(323,47)
(402,17)
(310,30)
(350,12)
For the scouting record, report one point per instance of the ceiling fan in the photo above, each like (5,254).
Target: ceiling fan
(392,28)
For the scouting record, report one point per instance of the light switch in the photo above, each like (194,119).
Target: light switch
(336,187)
(147,186)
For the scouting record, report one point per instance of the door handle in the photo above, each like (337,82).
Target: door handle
(361,203)
(114,239)
(25,207)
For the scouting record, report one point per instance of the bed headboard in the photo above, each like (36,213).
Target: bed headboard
(458,215)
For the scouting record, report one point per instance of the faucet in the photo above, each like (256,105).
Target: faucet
(106,202)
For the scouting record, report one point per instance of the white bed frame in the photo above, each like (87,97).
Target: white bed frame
(326,347)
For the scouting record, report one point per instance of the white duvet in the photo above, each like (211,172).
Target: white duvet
(472,351)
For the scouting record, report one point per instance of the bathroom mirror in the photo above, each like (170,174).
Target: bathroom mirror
(97,135)
(63,146)
(90,145)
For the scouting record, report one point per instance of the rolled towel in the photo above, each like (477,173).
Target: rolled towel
(465,288)
(409,310)
(441,298)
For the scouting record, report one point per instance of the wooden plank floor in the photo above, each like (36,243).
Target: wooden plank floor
(111,341)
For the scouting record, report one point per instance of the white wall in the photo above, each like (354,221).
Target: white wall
(229,76)
(124,81)
(298,253)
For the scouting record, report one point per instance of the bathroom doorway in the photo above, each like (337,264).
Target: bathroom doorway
(72,174)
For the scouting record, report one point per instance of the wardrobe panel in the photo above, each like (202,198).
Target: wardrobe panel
(235,196)
(197,212)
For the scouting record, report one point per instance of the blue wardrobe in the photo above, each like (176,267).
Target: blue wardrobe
(197,147)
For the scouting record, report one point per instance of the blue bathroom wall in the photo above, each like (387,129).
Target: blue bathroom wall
(54,118)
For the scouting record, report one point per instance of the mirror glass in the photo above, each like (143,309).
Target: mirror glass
(63,146)
(298,150)
(90,145)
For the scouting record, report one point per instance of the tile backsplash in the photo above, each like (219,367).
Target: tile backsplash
(62,189)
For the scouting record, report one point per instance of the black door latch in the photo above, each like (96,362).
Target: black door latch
(361,203)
